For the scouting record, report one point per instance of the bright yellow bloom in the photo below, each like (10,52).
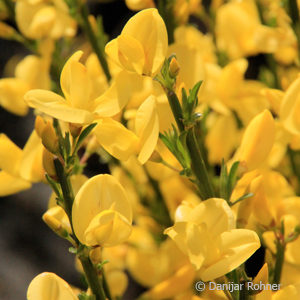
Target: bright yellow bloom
(101,212)
(79,105)
(32,72)
(142,45)
(244,35)
(206,234)
(40,19)
(18,168)
(257,141)
(139,4)
(290,108)
(122,143)
(48,286)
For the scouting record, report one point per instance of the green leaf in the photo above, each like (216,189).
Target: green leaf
(100,265)
(54,185)
(232,178)
(246,196)
(83,135)
(223,181)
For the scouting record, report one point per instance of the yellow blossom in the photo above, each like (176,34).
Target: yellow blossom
(142,45)
(101,212)
(257,141)
(125,142)
(40,19)
(79,105)
(48,286)
(206,233)
(139,4)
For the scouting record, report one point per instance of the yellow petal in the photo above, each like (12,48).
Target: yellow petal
(102,192)
(131,53)
(10,156)
(236,246)
(116,139)
(42,21)
(258,140)
(65,76)
(147,128)
(117,281)
(108,228)
(176,284)
(215,213)
(12,91)
(31,167)
(55,106)
(48,286)
(149,29)
(290,108)
(11,185)
(118,95)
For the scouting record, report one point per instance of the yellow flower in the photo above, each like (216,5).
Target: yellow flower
(206,234)
(79,105)
(10,161)
(139,4)
(18,168)
(257,141)
(244,35)
(101,212)
(290,108)
(142,45)
(48,286)
(122,143)
(40,19)
(30,73)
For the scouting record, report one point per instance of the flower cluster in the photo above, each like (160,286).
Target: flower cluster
(204,156)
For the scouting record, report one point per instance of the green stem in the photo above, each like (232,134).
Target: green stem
(105,286)
(92,277)
(83,10)
(198,166)
(280,249)
(176,109)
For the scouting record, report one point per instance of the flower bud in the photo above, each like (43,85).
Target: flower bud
(49,138)
(54,218)
(174,67)
(39,125)
(48,163)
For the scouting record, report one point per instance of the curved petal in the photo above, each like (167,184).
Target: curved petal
(131,53)
(12,91)
(236,246)
(147,128)
(149,29)
(65,76)
(116,139)
(55,106)
(290,108)
(10,156)
(11,185)
(31,167)
(215,214)
(257,140)
(107,229)
(118,95)
(99,193)
(48,286)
